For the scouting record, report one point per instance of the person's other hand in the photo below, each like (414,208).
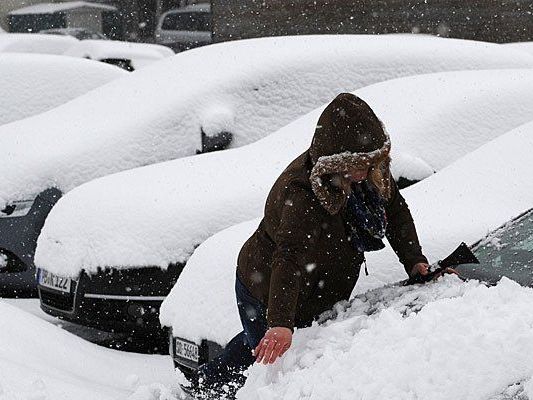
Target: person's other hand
(420,269)
(274,344)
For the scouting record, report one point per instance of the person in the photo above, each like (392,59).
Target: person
(332,204)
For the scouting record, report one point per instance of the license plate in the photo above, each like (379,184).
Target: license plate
(52,281)
(186,350)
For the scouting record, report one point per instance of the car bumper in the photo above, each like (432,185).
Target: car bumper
(207,350)
(113,300)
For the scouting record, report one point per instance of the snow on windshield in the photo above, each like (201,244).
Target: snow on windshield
(158,214)
(462,202)
(41,361)
(34,83)
(457,346)
(157,113)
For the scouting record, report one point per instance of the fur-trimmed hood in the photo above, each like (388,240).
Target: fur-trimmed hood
(348,134)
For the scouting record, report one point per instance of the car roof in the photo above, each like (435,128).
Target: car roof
(199,8)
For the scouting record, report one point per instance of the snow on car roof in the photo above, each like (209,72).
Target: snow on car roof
(469,342)
(250,87)
(462,202)
(34,83)
(522,46)
(50,8)
(35,43)
(47,366)
(158,214)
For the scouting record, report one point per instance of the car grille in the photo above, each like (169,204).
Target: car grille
(57,300)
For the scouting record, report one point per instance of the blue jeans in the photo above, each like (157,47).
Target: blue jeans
(227,368)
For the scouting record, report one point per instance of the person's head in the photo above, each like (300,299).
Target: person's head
(350,145)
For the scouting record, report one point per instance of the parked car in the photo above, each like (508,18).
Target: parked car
(127,55)
(78,33)
(474,195)
(35,83)
(185,28)
(137,228)
(246,90)
(35,43)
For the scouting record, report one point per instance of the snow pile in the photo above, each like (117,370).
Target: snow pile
(157,113)
(34,83)
(158,214)
(41,361)
(35,43)
(462,202)
(458,346)
(140,54)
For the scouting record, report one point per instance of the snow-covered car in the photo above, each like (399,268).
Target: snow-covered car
(35,83)
(118,243)
(185,28)
(202,99)
(35,43)
(78,33)
(474,195)
(127,55)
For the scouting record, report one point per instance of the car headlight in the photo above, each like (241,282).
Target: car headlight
(17,209)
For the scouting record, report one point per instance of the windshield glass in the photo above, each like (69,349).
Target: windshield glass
(507,252)
(187,22)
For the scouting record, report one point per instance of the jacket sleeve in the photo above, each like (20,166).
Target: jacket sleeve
(401,231)
(296,234)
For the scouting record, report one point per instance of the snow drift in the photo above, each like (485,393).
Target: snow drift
(41,361)
(157,113)
(462,202)
(34,83)
(158,214)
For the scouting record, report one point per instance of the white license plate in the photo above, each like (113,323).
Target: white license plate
(186,350)
(52,281)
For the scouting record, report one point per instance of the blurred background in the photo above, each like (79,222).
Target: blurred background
(183,24)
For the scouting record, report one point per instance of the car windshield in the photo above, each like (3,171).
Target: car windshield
(193,21)
(506,252)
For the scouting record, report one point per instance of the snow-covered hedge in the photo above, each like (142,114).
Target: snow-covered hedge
(462,202)
(250,87)
(158,214)
(33,83)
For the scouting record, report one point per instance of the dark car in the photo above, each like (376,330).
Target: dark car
(22,219)
(507,251)
(78,33)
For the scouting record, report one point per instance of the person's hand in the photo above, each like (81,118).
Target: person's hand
(420,269)
(274,344)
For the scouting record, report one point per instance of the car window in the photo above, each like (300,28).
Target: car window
(507,252)
(187,22)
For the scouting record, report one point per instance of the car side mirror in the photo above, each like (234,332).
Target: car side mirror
(220,141)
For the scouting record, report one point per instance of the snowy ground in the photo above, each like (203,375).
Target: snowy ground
(40,361)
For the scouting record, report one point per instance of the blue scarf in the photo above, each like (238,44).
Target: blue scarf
(365,212)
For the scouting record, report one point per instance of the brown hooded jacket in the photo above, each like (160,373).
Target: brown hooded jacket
(300,262)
